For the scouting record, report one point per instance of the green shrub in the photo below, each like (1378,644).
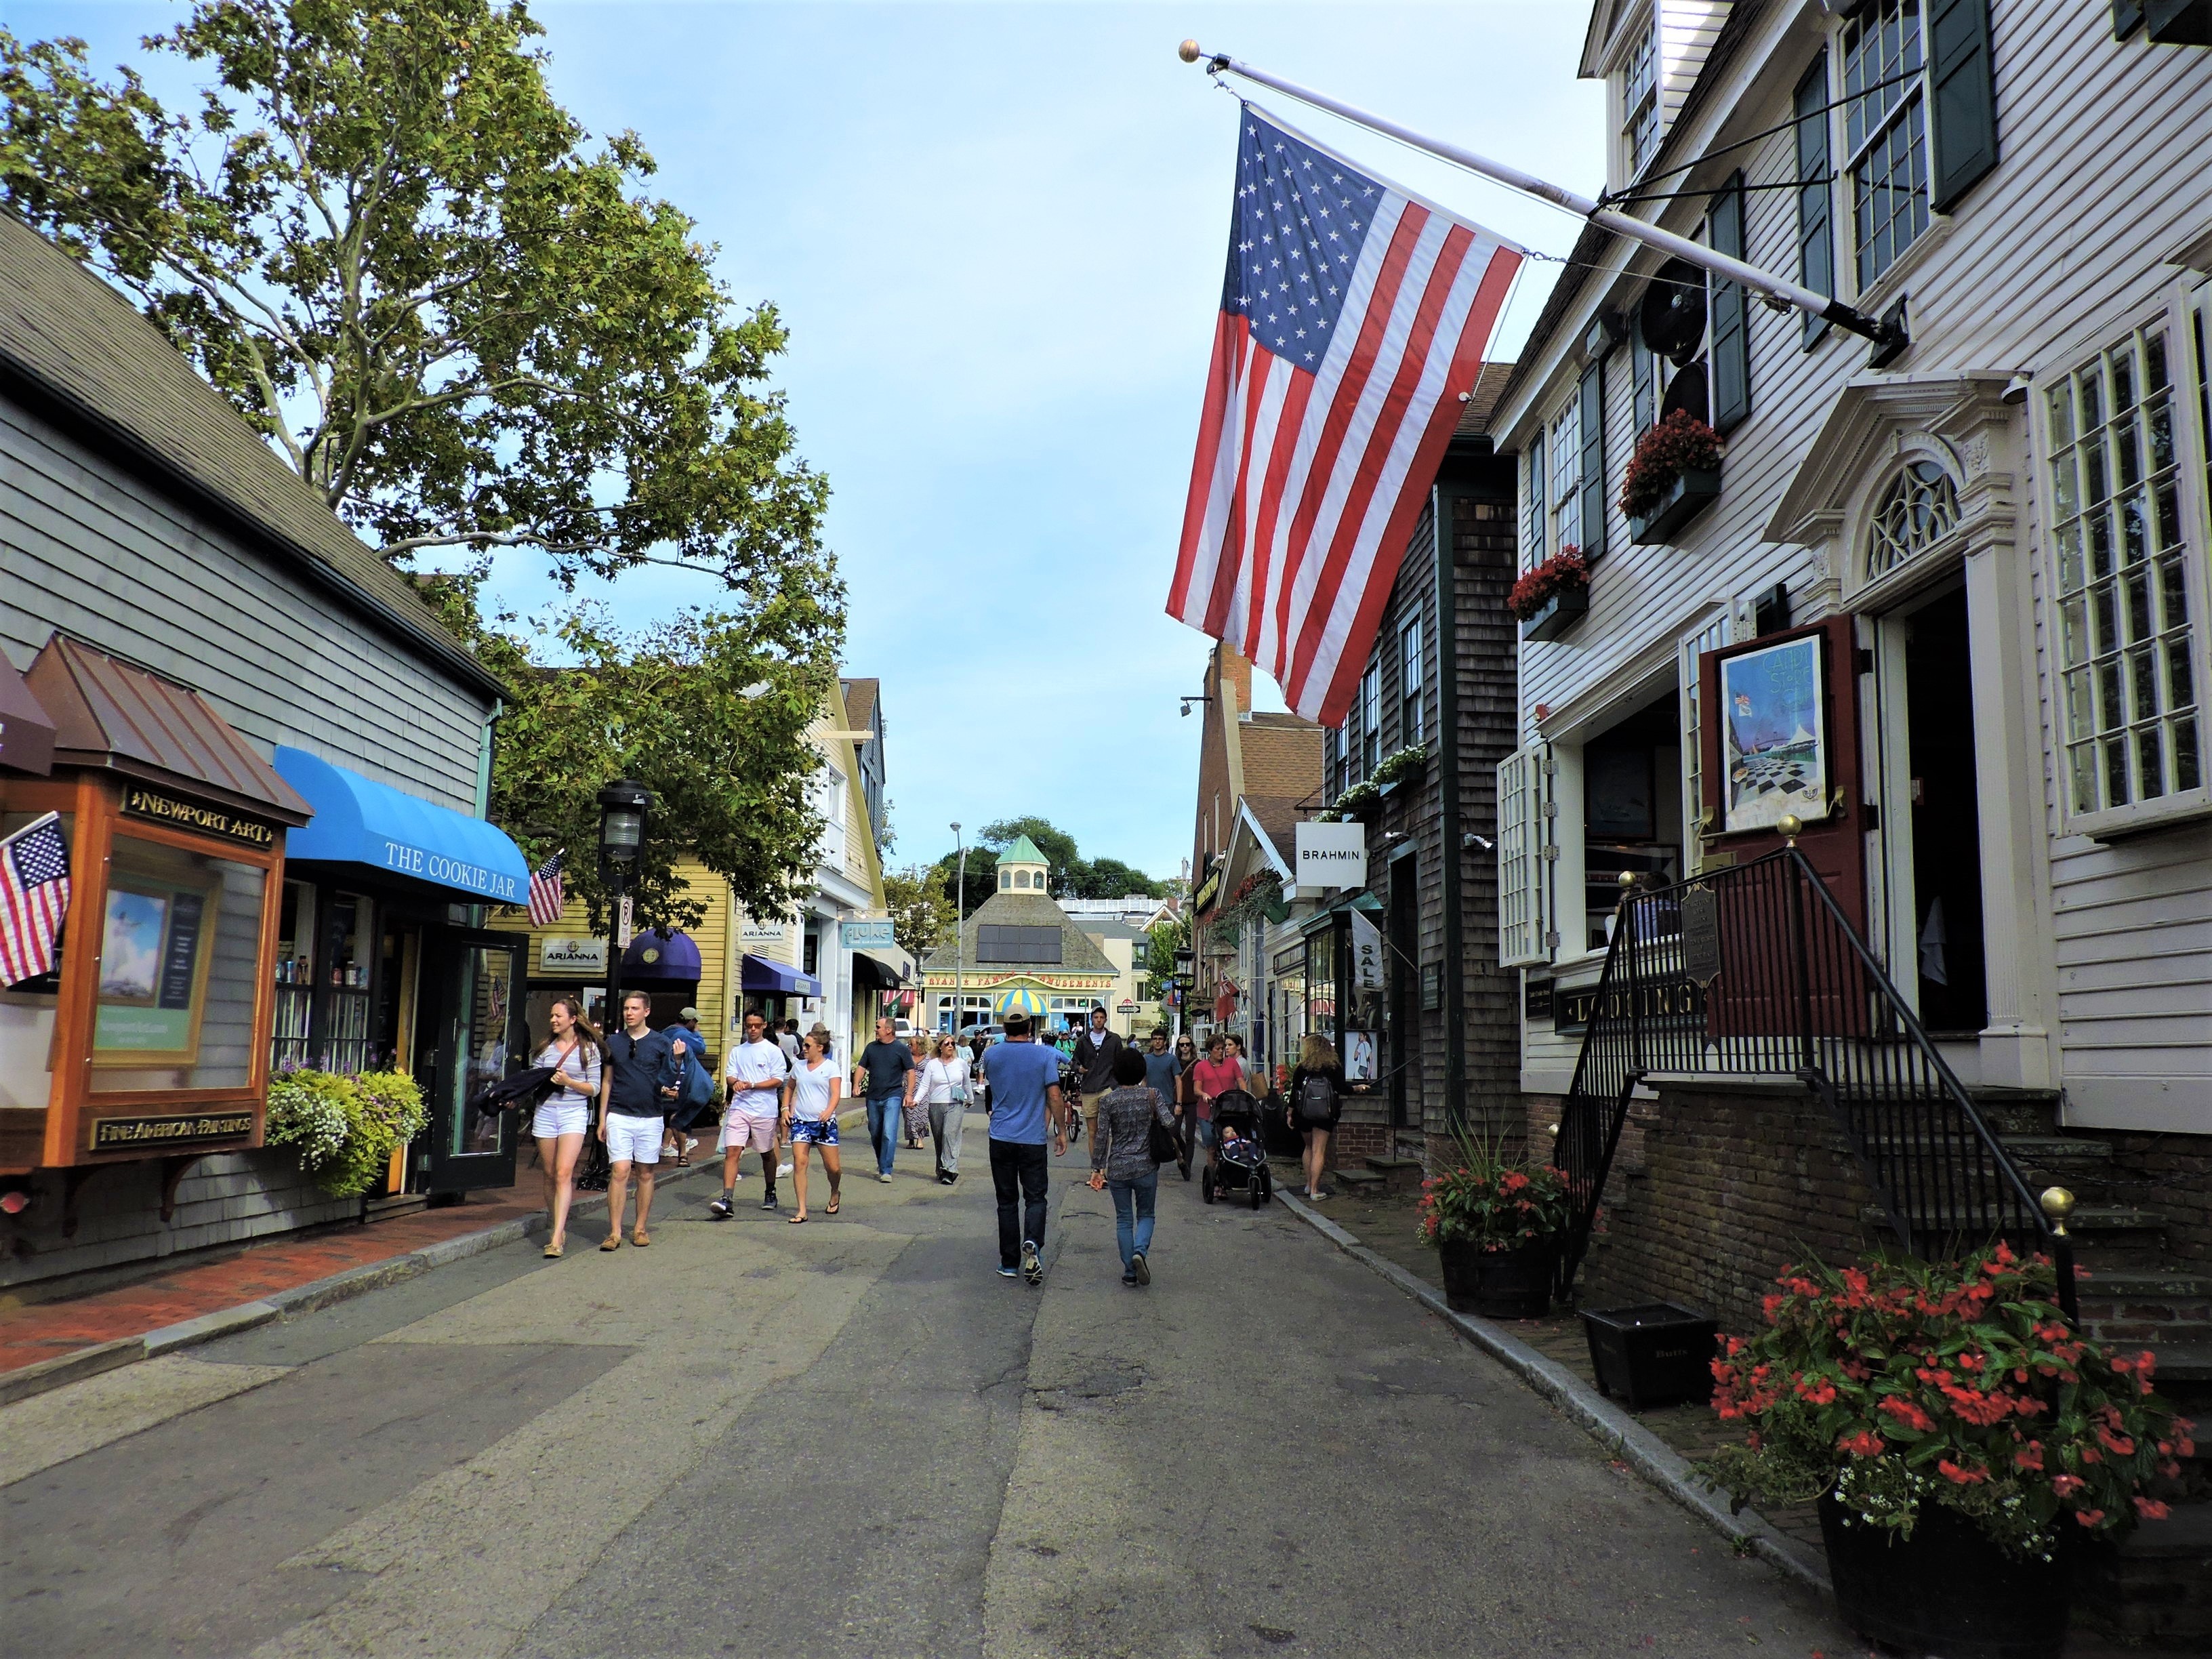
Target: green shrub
(345,1128)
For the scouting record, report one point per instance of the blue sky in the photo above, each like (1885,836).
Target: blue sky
(996,232)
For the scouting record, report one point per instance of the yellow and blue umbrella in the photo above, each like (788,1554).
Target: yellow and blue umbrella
(1021,1001)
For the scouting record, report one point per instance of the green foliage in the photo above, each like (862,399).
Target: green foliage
(982,876)
(667,706)
(1163,940)
(921,903)
(345,1128)
(1492,1201)
(382,240)
(1056,844)
(1072,875)
(1897,1383)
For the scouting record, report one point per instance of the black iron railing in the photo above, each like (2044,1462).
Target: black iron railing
(1755,970)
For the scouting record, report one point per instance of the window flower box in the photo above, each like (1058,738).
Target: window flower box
(1687,496)
(1556,615)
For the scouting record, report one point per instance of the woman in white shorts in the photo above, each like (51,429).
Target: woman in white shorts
(566,1116)
(809,1101)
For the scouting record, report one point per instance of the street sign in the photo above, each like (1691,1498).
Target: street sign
(1332,855)
(857,935)
(1128,1007)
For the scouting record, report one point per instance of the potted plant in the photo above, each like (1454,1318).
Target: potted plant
(1551,599)
(1958,1436)
(1357,801)
(1400,766)
(1673,475)
(344,1129)
(1496,1224)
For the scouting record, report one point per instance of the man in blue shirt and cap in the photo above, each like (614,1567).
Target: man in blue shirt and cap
(1025,1103)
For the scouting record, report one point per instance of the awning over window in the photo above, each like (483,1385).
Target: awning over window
(26,732)
(359,821)
(759,974)
(881,970)
(651,956)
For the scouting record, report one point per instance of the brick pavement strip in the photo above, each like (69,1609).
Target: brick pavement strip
(264,1270)
(1630,1441)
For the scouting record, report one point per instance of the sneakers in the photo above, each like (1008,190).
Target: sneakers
(946,1180)
(1010,1273)
(690,1145)
(1130,1280)
(783,1169)
(769,1202)
(881,1176)
(1140,1269)
(1032,1263)
(720,1209)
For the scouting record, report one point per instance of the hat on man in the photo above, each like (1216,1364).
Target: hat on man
(688,1013)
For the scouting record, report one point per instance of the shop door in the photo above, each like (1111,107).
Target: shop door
(475,1034)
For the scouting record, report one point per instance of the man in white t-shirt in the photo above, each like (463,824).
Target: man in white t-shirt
(756,1070)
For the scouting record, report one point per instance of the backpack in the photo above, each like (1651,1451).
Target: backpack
(698,1081)
(1316,1102)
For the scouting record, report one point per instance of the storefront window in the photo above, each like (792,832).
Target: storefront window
(348,958)
(180,950)
(295,974)
(27,1011)
(1320,983)
(487,995)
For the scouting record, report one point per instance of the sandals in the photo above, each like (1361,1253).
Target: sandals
(641,1238)
(793,1220)
(611,1242)
(553,1253)
(830,1208)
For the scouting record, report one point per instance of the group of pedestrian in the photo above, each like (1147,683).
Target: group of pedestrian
(636,1081)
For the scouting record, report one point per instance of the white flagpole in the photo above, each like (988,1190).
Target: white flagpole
(1777,289)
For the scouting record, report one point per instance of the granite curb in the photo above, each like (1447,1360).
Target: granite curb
(47,1375)
(1620,1434)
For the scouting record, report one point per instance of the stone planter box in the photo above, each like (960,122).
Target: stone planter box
(1692,493)
(1560,612)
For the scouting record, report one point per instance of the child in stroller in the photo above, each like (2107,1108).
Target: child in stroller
(1240,1154)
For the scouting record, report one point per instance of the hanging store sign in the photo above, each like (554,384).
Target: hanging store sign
(140,802)
(1332,855)
(865,935)
(572,954)
(118,1135)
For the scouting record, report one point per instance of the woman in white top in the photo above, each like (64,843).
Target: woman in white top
(810,1104)
(561,1122)
(943,1089)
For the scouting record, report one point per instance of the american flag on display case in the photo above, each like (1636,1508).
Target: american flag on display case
(34,895)
(1353,317)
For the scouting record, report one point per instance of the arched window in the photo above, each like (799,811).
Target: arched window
(1919,509)
(1021,878)
(1006,879)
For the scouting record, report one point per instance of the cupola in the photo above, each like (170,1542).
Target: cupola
(1022,868)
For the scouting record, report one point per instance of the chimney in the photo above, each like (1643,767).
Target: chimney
(1233,668)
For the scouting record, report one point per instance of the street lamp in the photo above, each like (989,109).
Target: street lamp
(621,836)
(959,944)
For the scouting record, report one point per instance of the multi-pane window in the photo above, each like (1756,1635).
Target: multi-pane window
(1567,478)
(1371,719)
(1409,683)
(1885,132)
(2122,548)
(1332,759)
(1639,88)
(1712,637)
(1919,509)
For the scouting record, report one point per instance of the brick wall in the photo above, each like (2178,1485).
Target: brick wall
(1713,1191)
(224,1199)
(2171,1175)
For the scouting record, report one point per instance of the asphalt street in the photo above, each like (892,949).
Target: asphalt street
(854,1438)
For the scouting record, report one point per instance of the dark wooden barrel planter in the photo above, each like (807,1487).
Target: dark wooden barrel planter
(1513,1284)
(1946,1590)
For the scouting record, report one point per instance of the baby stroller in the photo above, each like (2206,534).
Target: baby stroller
(1241,1164)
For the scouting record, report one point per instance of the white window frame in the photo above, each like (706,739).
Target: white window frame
(1564,437)
(829,802)
(1905,104)
(1411,727)
(1709,636)
(1535,518)
(1643,95)
(2181,312)
(1526,935)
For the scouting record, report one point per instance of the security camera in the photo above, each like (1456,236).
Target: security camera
(1473,842)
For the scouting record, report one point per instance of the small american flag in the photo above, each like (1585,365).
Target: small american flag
(34,894)
(547,899)
(1354,317)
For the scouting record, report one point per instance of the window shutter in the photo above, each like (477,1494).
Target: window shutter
(1731,326)
(1592,417)
(1532,464)
(1520,866)
(1643,374)
(1816,244)
(1962,99)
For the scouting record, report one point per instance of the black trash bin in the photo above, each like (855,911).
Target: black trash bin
(1654,1355)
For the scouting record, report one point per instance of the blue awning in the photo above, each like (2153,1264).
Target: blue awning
(760,974)
(651,956)
(359,821)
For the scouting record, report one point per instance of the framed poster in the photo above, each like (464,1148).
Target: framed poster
(1359,1057)
(155,939)
(1774,743)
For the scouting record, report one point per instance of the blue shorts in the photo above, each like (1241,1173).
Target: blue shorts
(814,1131)
(1206,1136)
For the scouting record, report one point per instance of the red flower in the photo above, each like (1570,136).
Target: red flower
(2089,1517)
(2065,1486)
(1907,1414)
(1819,1392)
(1962,1474)
(1865,1443)
(2151,1509)
(2030,1457)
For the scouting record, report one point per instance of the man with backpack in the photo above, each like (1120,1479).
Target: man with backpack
(757,1070)
(695,1088)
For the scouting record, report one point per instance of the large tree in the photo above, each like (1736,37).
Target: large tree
(1073,876)
(707,709)
(462,323)
(921,903)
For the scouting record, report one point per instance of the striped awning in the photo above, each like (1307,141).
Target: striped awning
(1019,1001)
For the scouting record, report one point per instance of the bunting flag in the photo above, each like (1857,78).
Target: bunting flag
(1354,317)
(34,895)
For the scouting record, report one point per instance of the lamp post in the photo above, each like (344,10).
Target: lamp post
(621,835)
(1185,979)
(959,944)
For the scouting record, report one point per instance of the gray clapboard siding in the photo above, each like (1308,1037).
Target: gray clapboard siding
(95,550)
(2106,167)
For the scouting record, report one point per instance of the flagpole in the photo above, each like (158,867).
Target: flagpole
(1777,289)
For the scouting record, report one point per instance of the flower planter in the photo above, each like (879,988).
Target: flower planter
(1557,614)
(1513,1284)
(1946,1590)
(1691,495)
(1653,1355)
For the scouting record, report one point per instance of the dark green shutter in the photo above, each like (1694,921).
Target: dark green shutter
(1643,373)
(1816,238)
(1731,324)
(1536,526)
(1962,99)
(1592,417)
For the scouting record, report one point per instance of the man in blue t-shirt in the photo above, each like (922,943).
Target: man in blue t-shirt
(1024,1103)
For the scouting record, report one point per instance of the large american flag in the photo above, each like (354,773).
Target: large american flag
(548,897)
(34,894)
(1354,317)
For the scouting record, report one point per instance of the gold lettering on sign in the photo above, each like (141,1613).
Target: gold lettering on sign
(115,1134)
(140,802)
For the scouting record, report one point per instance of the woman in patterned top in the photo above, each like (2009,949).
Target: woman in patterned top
(1121,1159)
(562,1121)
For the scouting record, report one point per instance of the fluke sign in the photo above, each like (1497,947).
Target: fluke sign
(1332,855)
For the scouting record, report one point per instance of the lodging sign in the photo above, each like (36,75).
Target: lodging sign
(1332,855)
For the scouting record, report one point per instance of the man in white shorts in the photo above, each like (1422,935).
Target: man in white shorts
(756,1070)
(644,1082)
